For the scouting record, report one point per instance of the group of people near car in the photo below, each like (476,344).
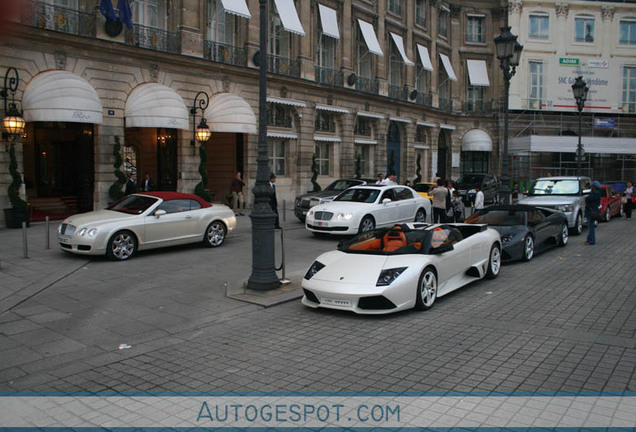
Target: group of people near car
(448,205)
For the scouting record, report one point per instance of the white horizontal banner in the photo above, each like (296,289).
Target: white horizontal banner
(319,411)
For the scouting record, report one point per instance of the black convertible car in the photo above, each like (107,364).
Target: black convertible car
(525,230)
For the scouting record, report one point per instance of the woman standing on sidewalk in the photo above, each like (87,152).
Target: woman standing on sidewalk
(592,203)
(629,203)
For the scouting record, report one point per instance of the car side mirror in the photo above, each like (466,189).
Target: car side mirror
(386,200)
(159,213)
(442,249)
(587,191)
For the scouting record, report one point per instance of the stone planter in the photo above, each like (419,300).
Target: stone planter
(13,218)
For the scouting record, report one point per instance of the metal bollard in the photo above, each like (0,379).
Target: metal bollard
(283,279)
(24,240)
(284,210)
(46,231)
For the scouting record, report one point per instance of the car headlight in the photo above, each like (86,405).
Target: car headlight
(313,269)
(344,216)
(506,238)
(90,232)
(387,276)
(310,214)
(565,207)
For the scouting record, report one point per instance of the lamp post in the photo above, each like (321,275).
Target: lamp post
(579,89)
(263,277)
(202,131)
(508,53)
(13,123)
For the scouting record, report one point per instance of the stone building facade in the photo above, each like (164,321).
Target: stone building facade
(411,86)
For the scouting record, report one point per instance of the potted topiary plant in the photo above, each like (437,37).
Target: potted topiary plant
(201,188)
(115,191)
(19,211)
(358,166)
(314,176)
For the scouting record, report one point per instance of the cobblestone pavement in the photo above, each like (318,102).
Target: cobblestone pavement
(565,321)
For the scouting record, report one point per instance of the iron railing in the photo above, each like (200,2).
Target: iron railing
(224,53)
(477,106)
(283,66)
(154,39)
(329,76)
(367,85)
(422,98)
(445,104)
(50,17)
(398,92)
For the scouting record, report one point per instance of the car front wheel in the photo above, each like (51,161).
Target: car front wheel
(608,214)
(528,248)
(121,246)
(426,289)
(367,224)
(494,262)
(214,234)
(577,229)
(563,237)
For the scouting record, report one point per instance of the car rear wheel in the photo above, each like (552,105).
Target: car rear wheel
(426,289)
(564,236)
(494,262)
(214,234)
(608,214)
(528,248)
(420,216)
(577,229)
(367,224)
(121,246)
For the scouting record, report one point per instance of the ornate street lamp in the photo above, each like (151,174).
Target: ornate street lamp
(13,123)
(263,277)
(509,55)
(202,131)
(579,89)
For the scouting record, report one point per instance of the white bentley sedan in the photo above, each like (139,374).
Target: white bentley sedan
(363,208)
(146,220)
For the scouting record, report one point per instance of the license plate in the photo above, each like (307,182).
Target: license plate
(323,224)
(336,302)
(64,240)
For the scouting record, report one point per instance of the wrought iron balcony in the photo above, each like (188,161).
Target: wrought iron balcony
(224,53)
(283,66)
(367,85)
(154,39)
(445,104)
(421,98)
(478,106)
(398,92)
(50,17)
(329,76)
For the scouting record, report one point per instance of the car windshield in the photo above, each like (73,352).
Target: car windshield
(340,185)
(470,179)
(555,187)
(498,218)
(387,241)
(358,195)
(132,204)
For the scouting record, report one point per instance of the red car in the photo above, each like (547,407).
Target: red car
(610,202)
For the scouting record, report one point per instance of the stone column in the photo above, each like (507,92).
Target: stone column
(562,8)
(192,21)
(347,39)
(607,13)
(305,13)
(381,61)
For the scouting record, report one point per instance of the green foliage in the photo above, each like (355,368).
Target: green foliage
(314,174)
(418,171)
(358,165)
(115,191)
(201,188)
(14,187)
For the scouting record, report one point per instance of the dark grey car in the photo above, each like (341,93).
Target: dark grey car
(305,201)
(489,184)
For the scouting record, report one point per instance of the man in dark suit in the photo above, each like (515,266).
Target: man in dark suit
(272,200)
(147,184)
(131,185)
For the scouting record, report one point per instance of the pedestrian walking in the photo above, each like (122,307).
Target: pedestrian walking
(630,199)
(439,194)
(236,189)
(592,203)
(515,193)
(479,200)
(458,207)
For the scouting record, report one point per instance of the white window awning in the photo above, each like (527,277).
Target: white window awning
(61,96)
(282,101)
(332,109)
(448,66)
(425,124)
(230,113)
(421,147)
(476,140)
(477,73)
(365,141)
(329,21)
(399,44)
(447,126)
(289,16)
(157,106)
(282,135)
(368,33)
(370,115)
(425,58)
(236,7)
(400,119)
(326,138)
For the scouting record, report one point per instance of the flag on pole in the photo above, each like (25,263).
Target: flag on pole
(125,14)
(106,8)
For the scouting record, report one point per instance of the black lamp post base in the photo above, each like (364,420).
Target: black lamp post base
(263,277)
